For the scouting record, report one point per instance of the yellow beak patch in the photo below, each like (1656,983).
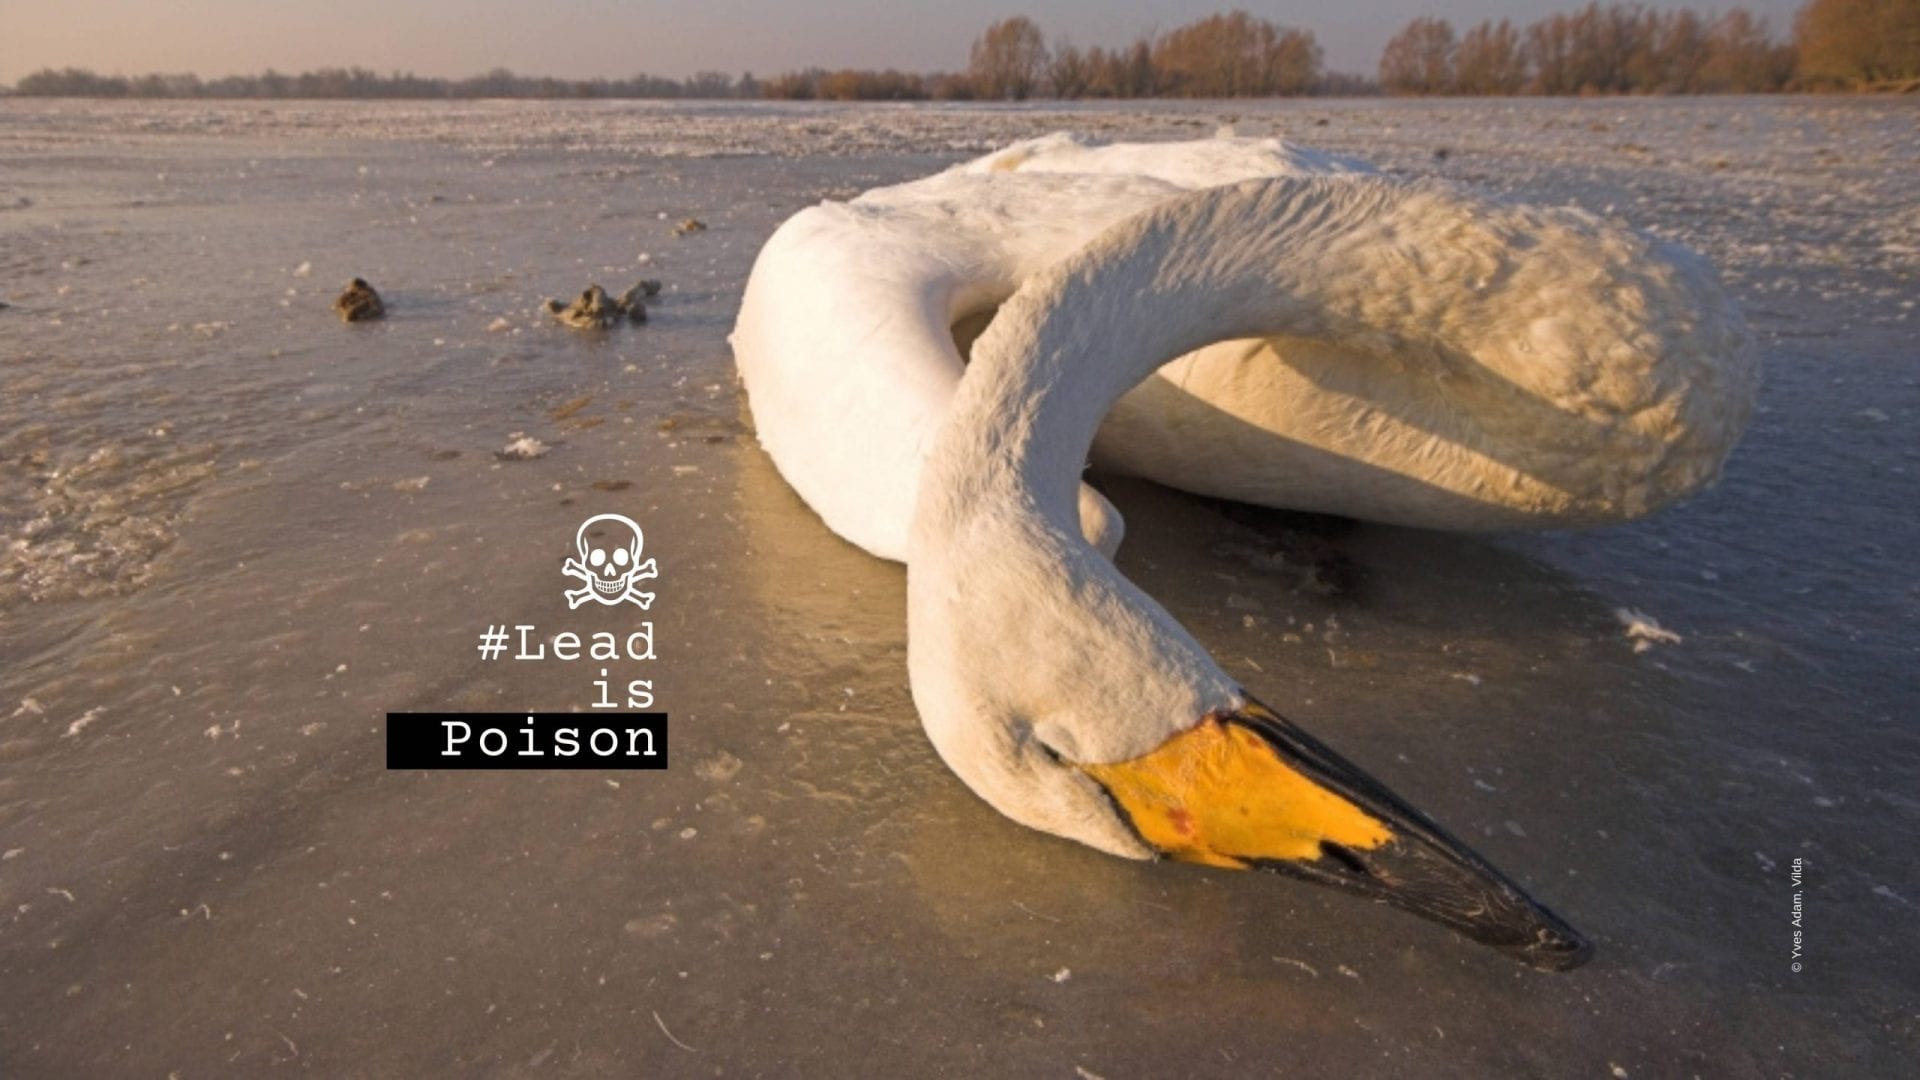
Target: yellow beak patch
(1219,794)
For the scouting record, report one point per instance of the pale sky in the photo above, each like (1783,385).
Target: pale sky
(587,38)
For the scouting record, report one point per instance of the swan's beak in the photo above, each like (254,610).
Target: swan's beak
(1249,790)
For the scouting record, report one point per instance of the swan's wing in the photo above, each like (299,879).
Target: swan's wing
(845,339)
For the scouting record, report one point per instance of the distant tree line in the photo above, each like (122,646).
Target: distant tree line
(1632,49)
(1613,49)
(819,84)
(1232,55)
(357,82)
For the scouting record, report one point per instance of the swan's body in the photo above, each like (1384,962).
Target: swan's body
(850,311)
(1345,343)
(846,344)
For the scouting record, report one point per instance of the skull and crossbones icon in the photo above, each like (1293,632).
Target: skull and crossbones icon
(609,565)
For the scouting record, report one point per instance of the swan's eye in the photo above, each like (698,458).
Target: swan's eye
(1024,736)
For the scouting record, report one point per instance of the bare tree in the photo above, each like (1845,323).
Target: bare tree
(1137,78)
(1069,75)
(1234,55)
(1668,53)
(1858,41)
(1295,64)
(1586,52)
(1490,60)
(1419,59)
(1741,56)
(1215,57)
(1009,59)
(1121,73)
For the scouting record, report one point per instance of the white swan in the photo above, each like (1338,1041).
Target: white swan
(1393,351)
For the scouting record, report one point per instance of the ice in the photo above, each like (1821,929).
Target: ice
(198,528)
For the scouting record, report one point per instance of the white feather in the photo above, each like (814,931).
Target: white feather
(1232,317)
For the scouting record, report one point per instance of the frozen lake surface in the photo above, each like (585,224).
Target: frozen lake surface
(234,532)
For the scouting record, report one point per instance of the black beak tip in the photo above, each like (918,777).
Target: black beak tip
(1555,949)
(1527,931)
(1422,869)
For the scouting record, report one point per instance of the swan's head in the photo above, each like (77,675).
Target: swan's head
(1074,704)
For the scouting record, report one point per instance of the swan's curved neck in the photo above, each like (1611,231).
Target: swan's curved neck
(1224,263)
